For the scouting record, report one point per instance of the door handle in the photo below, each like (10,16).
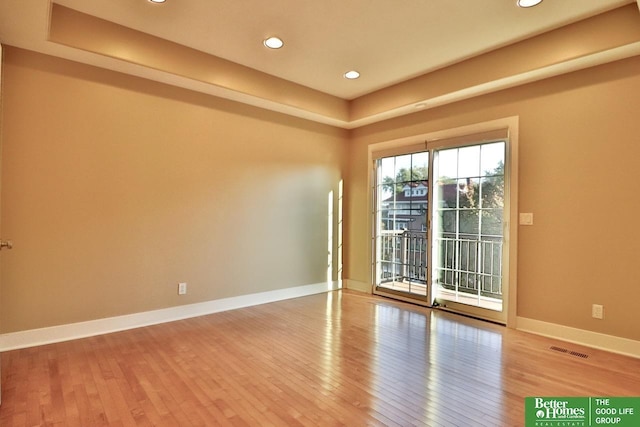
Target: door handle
(6,244)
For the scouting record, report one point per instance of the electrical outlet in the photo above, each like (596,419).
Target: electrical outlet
(597,311)
(182,288)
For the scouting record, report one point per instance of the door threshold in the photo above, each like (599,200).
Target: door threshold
(477,316)
(388,293)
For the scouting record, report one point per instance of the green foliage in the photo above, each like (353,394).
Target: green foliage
(403,177)
(465,194)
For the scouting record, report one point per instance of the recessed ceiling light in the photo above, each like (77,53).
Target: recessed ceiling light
(529,3)
(351,75)
(273,43)
(157,1)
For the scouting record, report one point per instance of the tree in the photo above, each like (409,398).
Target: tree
(403,177)
(493,188)
(469,195)
(469,191)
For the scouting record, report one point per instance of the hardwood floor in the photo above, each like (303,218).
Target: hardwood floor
(342,358)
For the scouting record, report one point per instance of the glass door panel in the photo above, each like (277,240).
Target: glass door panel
(401,194)
(467,215)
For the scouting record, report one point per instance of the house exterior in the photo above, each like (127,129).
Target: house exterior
(407,208)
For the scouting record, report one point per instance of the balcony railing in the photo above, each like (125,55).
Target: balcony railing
(468,265)
(403,256)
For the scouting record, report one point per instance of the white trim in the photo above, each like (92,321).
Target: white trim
(53,334)
(356,285)
(597,340)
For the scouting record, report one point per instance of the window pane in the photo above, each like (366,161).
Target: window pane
(492,222)
(469,193)
(448,164)
(469,162)
(403,169)
(386,177)
(447,195)
(420,166)
(493,159)
(469,223)
(448,219)
(493,192)
(387,169)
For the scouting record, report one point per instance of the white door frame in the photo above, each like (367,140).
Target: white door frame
(511,204)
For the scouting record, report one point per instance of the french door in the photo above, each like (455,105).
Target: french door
(440,213)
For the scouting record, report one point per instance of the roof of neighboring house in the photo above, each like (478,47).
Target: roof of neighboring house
(401,196)
(449,192)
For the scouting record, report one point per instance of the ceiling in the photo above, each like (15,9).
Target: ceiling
(387,41)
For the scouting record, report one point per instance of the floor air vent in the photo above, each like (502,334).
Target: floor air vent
(575,353)
(564,350)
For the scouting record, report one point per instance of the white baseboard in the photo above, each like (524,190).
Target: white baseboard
(357,286)
(597,340)
(53,334)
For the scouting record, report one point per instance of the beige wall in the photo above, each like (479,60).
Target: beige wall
(115,189)
(579,148)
